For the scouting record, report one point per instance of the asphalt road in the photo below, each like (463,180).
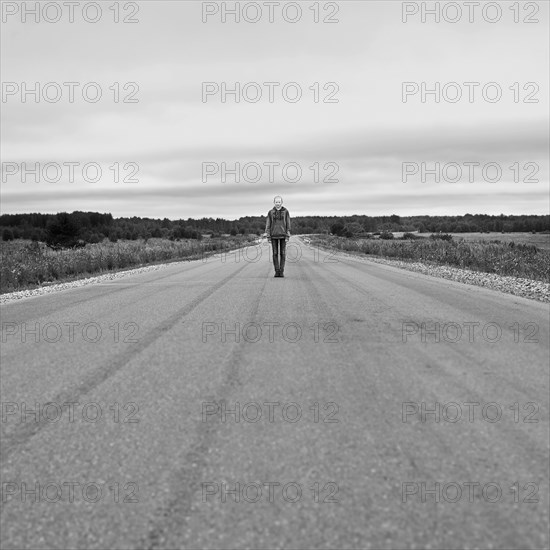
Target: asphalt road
(150,455)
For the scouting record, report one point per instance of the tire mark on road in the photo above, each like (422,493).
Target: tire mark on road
(469,355)
(344,353)
(22,434)
(26,310)
(386,440)
(174,515)
(388,447)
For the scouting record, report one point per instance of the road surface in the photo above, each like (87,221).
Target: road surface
(210,405)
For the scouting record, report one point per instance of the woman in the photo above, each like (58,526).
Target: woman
(277,230)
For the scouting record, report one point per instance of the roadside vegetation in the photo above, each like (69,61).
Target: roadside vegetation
(503,258)
(29,264)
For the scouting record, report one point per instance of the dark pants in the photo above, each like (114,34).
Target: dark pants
(279,252)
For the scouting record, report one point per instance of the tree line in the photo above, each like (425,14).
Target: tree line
(71,229)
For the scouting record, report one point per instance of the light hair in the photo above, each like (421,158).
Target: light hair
(278,197)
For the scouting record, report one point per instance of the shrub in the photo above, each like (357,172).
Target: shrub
(7,235)
(441,236)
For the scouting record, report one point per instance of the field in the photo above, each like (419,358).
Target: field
(26,264)
(539,240)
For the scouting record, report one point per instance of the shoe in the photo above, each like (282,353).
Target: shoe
(276,274)
(281,273)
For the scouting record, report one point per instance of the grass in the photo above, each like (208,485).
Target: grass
(540,240)
(503,258)
(27,264)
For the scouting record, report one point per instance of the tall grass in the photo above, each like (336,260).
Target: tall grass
(26,265)
(518,260)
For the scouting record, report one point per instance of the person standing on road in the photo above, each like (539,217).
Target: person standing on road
(277,230)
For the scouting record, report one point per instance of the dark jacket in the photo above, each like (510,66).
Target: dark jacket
(278,223)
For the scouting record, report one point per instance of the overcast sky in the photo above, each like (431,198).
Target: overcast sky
(361,141)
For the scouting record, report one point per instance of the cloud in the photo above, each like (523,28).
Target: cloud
(369,133)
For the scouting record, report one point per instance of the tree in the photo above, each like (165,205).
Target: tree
(62,231)
(337,229)
(354,228)
(7,235)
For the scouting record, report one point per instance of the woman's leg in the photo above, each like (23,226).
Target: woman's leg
(275,245)
(283,256)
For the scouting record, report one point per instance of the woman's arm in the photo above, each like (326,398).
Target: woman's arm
(268,225)
(288,224)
